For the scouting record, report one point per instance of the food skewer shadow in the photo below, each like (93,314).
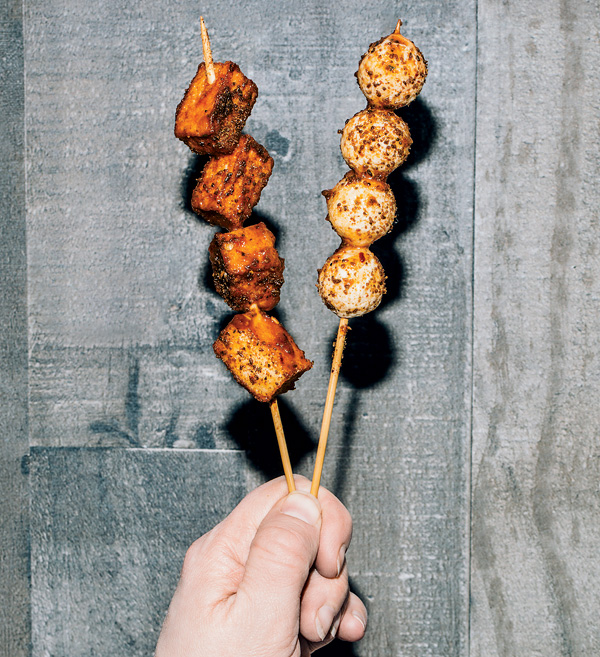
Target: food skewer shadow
(252,429)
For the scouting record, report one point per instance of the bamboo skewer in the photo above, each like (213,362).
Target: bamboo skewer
(206,51)
(283,450)
(340,342)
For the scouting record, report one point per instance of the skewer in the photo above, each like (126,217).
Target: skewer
(398,25)
(333,379)
(283,450)
(206,51)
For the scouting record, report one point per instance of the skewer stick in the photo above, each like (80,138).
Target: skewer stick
(283,450)
(206,51)
(333,379)
(398,24)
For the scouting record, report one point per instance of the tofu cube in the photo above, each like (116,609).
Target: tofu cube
(247,268)
(210,117)
(261,354)
(230,185)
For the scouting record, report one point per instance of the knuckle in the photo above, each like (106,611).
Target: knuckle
(194,557)
(287,545)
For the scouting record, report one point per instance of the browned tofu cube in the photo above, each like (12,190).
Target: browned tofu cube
(211,117)
(247,268)
(261,354)
(230,185)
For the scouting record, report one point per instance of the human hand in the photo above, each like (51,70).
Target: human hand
(269,581)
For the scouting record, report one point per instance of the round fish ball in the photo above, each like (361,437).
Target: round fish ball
(392,72)
(360,210)
(352,282)
(375,142)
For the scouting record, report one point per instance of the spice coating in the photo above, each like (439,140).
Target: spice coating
(230,185)
(210,117)
(352,282)
(360,210)
(247,268)
(392,72)
(261,354)
(375,142)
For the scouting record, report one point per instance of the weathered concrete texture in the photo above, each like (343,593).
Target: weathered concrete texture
(14,504)
(110,528)
(536,493)
(122,318)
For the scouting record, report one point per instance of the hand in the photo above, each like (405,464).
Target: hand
(269,581)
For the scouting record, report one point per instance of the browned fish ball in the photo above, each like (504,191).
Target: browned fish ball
(375,142)
(360,210)
(352,282)
(392,72)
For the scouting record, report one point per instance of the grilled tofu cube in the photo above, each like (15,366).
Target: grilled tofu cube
(230,185)
(261,354)
(210,117)
(247,268)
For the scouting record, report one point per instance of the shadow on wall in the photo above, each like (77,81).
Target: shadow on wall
(251,426)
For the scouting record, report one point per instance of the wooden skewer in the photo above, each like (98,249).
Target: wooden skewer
(206,51)
(398,25)
(283,450)
(333,379)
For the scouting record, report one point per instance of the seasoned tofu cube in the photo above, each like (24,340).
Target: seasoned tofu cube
(261,354)
(247,268)
(230,185)
(211,117)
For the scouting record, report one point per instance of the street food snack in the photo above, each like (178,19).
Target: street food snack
(230,185)
(211,116)
(375,142)
(392,72)
(360,210)
(261,354)
(247,269)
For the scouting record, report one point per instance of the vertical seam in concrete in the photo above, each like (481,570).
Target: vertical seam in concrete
(472,338)
(15,579)
(27,314)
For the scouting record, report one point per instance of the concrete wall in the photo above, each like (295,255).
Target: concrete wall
(465,433)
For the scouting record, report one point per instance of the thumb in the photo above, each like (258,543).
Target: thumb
(283,550)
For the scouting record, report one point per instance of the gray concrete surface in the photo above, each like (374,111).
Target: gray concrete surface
(465,433)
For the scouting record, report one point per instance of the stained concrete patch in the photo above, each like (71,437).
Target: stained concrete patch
(109,530)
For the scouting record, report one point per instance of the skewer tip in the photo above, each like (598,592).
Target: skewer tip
(398,25)
(206,51)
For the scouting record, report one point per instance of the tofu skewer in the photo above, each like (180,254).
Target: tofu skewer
(247,270)
(374,143)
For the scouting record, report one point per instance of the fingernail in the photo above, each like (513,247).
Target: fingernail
(361,619)
(324,619)
(340,559)
(302,506)
(335,626)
